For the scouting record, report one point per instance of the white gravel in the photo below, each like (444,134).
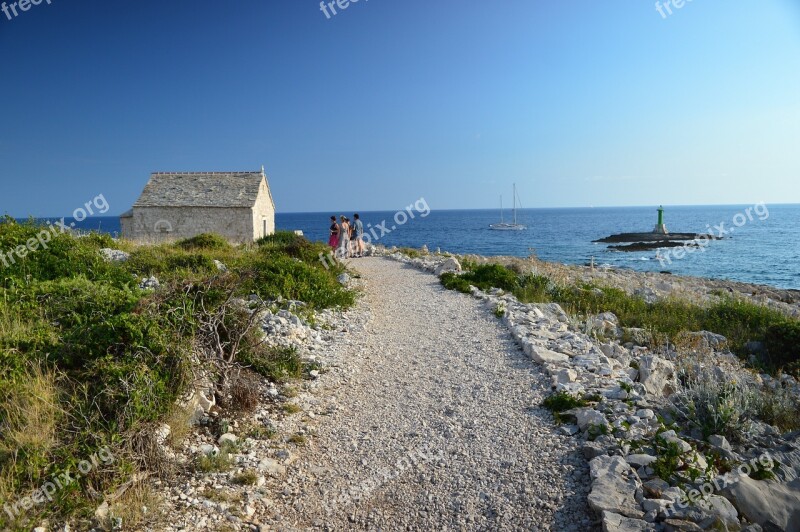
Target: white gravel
(433,423)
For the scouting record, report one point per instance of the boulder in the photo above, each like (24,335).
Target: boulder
(593,449)
(719,442)
(268,465)
(654,488)
(451,265)
(151,283)
(708,339)
(640,337)
(542,355)
(552,311)
(657,375)
(606,324)
(722,509)
(565,376)
(587,417)
(614,485)
(671,437)
(227,438)
(114,255)
(766,503)
(617,523)
(639,460)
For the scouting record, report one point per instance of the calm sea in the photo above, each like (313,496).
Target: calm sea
(764,251)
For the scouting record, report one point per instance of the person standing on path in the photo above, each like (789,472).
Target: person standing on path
(344,236)
(333,240)
(359,226)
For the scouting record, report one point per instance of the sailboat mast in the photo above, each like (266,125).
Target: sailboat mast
(515,204)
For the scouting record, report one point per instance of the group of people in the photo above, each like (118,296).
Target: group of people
(346,237)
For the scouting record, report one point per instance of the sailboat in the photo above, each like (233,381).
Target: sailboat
(503,226)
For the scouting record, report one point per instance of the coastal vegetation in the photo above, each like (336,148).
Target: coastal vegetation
(741,322)
(92,359)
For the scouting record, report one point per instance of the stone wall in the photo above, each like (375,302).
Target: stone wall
(263,211)
(126,226)
(165,224)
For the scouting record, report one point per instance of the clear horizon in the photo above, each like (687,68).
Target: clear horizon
(338,211)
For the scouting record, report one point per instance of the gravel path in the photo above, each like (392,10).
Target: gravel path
(434,424)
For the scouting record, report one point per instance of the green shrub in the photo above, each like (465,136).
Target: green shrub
(533,289)
(62,256)
(780,408)
(484,277)
(782,341)
(280,240)
(291,278)
(668,458)
(411,252)
(563,401)
(278,364)
(205,241)
(452,281)
(170,262)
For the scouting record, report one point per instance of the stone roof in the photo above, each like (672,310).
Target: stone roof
(201,189)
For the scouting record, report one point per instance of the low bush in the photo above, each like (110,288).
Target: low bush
(779,407)
(205,241)
(278,364)
(291,278)
(716,405)
(782,341)
(563,401)
(484,277)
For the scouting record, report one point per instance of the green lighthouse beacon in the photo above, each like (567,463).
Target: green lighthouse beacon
(661,228)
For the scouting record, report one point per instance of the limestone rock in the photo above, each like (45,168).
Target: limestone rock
(639,460)
(450,265)
(720,442)
(227,438)
(640,337)
(614,486)
(151,283)
(588,417)
(114,255)
(766,502)
(542,355)
(709,339)
(617,523)
(657,375)
(565,376)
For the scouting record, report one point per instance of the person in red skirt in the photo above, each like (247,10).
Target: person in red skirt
(333,241)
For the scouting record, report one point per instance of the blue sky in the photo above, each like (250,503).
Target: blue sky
(581,103)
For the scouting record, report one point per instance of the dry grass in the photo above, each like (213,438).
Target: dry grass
(30,412)
(297,439)
(248,477)
(179,423)
(245,392)
(291,408)
(138,507)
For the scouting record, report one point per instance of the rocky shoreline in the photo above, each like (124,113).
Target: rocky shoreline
(630,419)
(625,425)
